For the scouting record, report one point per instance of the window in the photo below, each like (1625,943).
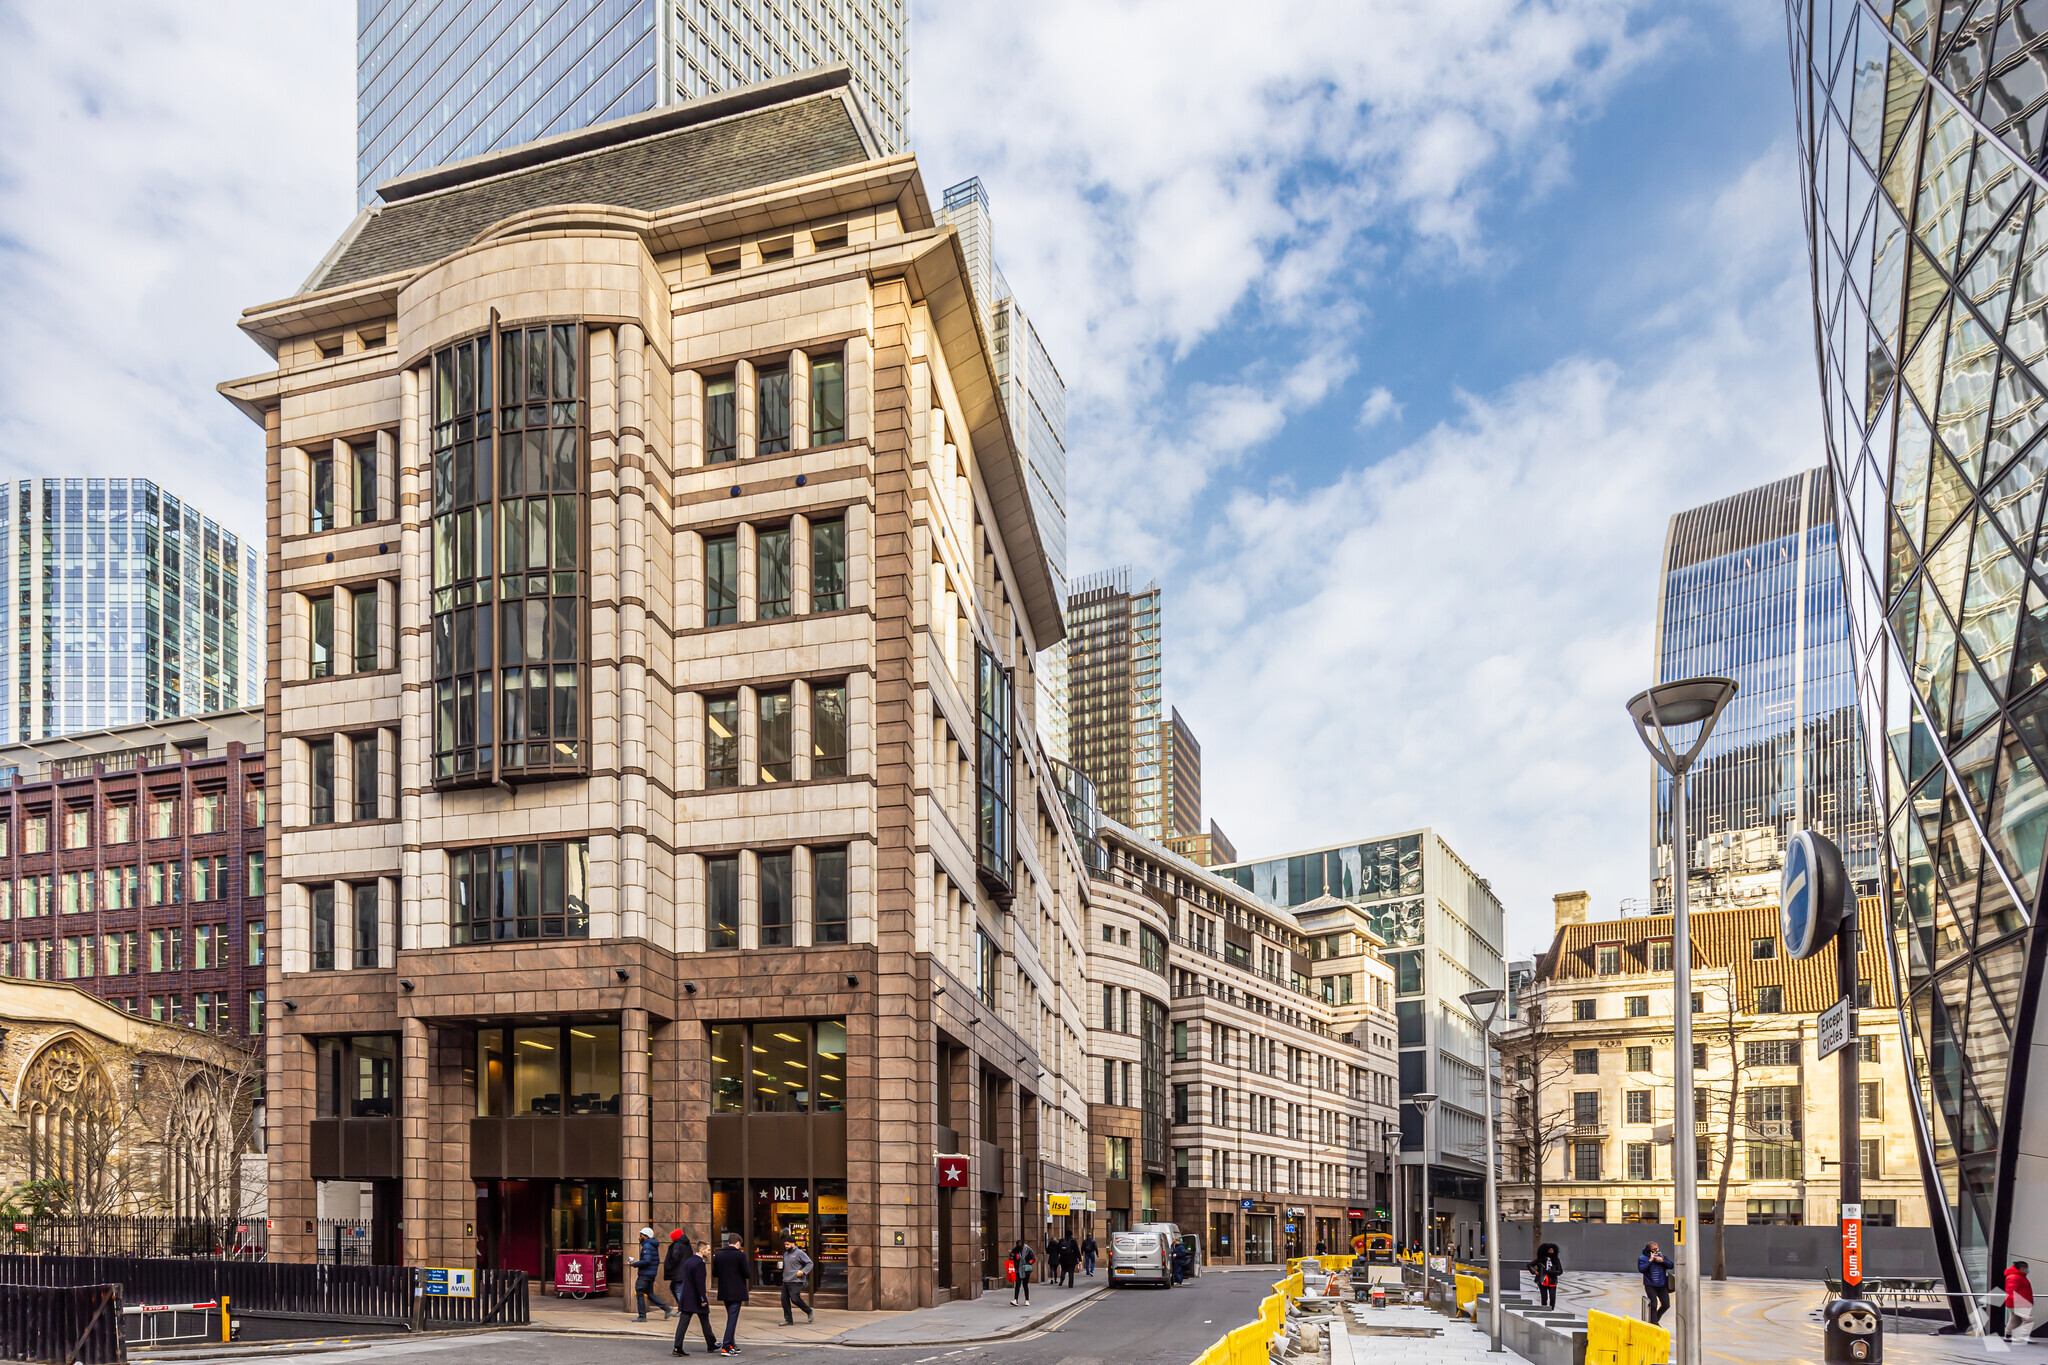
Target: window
(210,878)
(363,481)
(1773,1161)
(1863,995)
(363,750)
(35,834)
(721,421)
(771,410)
(773,737)
(166,883)
(256,1014)
(1640,1210)
(1771,1052)
(1699,1056)
(1660,955)
(1638,1058)
(828,565)
(828,895)
(828,400)
(1698,1002)
(1763,949)
(322,510)
(508,511)
(320,765)
(320,662)
(1782,1213)
(1117,1157)
(254,931)
(721,580)
(207,947)
(1180,1104)
(120,826)
(255,885)
(363,909)
(364,604)
(1635,1006)
(1607,958)
(1639,1161)
(163,817)
(1771,1103)
(993,766)
(771,574)
(1880,1213)
(828,731)
(120,888)
(78,952)
(167,950)
(1586,1166)
(513,891)
(206,812)
(1700,1156)
(1866,1048)
(323,928)
(254,808)
(1871,1154)
(1638,1105)
(722,741)
(722,901)
(1770,1000)
(77,826)
(1583,1009)
(1151,950)
(1586,1061)
(1585,1109)
(778,913)
(76,889)
(1869,1099)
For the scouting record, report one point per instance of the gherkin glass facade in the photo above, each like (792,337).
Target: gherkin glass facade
(1921,137)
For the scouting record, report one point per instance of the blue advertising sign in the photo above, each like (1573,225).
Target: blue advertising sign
(1810,893)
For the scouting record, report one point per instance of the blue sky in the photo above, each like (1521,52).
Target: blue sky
(1394,334)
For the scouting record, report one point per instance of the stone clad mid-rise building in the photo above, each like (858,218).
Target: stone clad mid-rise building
(130,605)
(673,708)
(1752,590)
(444,80)
(1929,252)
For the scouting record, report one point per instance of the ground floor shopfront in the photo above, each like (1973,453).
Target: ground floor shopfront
(783,1107)
(1263,1228)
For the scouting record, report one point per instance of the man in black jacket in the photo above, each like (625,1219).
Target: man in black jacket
(731,1272)
(686,1282)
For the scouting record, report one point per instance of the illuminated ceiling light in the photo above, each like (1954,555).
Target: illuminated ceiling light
(579,1033)
(787,1039)
(534,1042)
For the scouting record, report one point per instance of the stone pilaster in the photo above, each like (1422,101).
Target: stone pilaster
(636,1138)
(416,1119)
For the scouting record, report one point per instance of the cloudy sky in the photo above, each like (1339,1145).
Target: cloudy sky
(1394,332)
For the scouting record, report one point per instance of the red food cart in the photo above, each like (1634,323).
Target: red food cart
(579,1274)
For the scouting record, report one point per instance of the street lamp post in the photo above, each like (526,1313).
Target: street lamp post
(1657,712)
(1489,1000)
(1391,1140)
(1425,1104)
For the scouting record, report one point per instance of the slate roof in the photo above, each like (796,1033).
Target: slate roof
(1721,938)
(680,166)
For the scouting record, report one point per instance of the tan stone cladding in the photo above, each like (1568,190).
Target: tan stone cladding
(754,576)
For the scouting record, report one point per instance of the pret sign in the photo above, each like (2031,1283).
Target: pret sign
(1835,1031)
(1852,1244)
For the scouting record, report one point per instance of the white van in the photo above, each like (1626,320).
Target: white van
(1144,1255)
(1176,1238)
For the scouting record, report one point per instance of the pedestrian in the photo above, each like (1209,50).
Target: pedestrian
(692,1303)
(2019,1299)
(1183,1262)
(1070,1259)
(1319,1247)
(645,1266)
(1548,1268)
(1656,1273)
(796,1277)
(1024,1262)
(1088,1253)
(731,1272)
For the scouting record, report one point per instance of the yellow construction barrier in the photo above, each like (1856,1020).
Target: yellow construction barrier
(1469,1289)
(1246,1345)
(1648,1344)
(1614,1340)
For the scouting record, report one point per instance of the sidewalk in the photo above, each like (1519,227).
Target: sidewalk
(962,1321)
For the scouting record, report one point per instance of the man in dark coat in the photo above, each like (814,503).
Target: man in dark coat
(686,1282)
(1070,1257)
(731,1272)
(1088,1250)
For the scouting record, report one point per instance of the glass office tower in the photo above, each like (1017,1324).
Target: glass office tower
(1753,591)
(440,80)
(1115,699)
(1928,237)
(128,605)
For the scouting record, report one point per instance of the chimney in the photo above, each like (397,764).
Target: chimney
(1573,907)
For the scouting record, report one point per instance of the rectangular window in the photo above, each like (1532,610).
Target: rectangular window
(363,896)
(364,604)
(163,817)
(1763,949)
(1590,1210)
(1869,1097)
(828,565)
(993,707)
(771,574)
(771,410)
(1660,955)
(322,511)
(1180,1104)
(77,826)
(722,901)
(520,891)
(1770,1052)
(1640,1210)
(1786,1213)
(1607,958)
(1880,1213)
(166,883)
(1699,1056)
(1873,1164)
(255,885)
(721,741)
(167,950)
(721,421)
(363,750)
(1639,1161)
(120,825)
(206,812)
(256,1014)
(255,937)
(1863,995)
(828,731)
(320,766)
(1586,1166)
(778,912)
(1585,1109)
(254,808)
(1866,1048)
(76,888)
(828,400)
(773,737)
(1771,1103)
(1635,1006)
(323,928)
(1638,1058)
(1773,1161)
(320,662)
(203,954)
(363,454)
(721,580)
(1638,1106)
(1586,1061)
(35,834)
(828,895)
(210,878)
(1770,1000)
(1583,1009)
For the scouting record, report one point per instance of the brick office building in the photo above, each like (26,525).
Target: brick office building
(654,603)
(132,865)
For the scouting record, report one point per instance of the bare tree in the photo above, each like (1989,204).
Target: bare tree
(1727,1030)
(198,1107)
(1534,1058)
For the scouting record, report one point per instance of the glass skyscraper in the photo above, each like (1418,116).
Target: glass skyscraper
(1927,216)
(1115,699)
(128,606)
(441,80)
(1752,590)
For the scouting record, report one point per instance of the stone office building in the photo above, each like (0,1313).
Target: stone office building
(660,833)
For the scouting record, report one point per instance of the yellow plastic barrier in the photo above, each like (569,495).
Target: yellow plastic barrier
(1606,1339)
(1469,1287)
(1246,1345)
(1648,1344)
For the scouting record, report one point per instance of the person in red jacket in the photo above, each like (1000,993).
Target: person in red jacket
(2019,1299)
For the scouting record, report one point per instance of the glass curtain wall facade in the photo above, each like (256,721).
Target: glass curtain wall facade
(128,606)
(1114,698)
(1928,236)
(441,80)
(1753,591)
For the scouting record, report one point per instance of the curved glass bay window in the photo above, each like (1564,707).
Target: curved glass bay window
(511,590)
(993,768)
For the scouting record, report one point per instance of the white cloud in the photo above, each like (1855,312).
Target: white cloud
(1378,406)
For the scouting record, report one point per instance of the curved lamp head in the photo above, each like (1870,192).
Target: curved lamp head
(1673,706)
(1484,1005)
(1423,1101)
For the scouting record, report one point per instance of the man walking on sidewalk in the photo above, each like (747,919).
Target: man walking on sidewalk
(2019,1301)
(730,1272)
(1088,1253)
(644,1268)
(796,1276)
(692,1300)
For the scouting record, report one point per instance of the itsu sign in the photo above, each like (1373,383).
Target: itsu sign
(953,1172)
